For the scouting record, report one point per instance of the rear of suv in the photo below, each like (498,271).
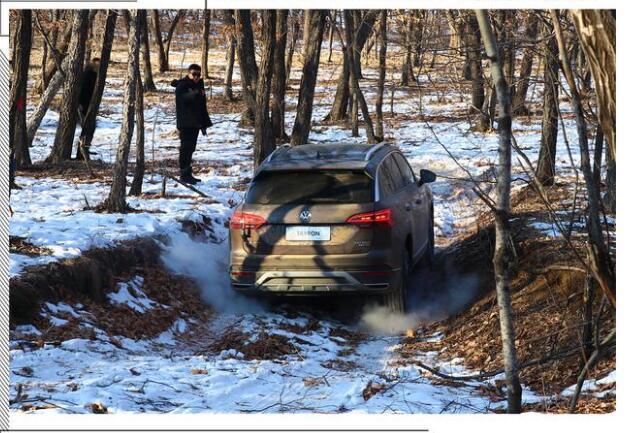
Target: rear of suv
(332,219)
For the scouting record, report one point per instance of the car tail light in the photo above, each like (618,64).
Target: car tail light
(242,220)
(241,274)
(369,219)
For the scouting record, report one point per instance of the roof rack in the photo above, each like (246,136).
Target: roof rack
(373,150)
(275,152)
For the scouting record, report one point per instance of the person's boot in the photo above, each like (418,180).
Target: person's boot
(196,179)
(185,176)
(187,179)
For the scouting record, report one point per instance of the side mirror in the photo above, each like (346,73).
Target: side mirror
(426,176)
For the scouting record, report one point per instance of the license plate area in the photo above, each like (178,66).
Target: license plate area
(308,233)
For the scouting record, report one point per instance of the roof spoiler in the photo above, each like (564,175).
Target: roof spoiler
(373,150)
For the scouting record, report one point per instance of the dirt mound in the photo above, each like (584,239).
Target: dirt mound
(547,297)
(263,347)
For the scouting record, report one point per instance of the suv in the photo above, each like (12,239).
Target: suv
(332,219)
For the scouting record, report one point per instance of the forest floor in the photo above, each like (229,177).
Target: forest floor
(171,336)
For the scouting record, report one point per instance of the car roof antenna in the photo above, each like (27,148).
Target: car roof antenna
(318,156)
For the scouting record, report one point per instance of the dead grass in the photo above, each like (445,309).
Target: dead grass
(264,347)
(19,245)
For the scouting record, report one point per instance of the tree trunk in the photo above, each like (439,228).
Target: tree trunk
(87,58)
(138,173)
(89,122)
(339,110)
(54,36)
(473,48)
(149,84)
(502,260)
(230,42)
(205,44)
(610,198)
(363,26)
(116,201)
(68,112)
(295,32)
(546,167)
(169,36)
(331,34)
(264,142)
(382,68)
(51,65)
(531,32)
(279,82)
(354,82)
(304,110)
(157,30)
(17,112)
(407,68)
(247,62)
(597,30)
(599,259)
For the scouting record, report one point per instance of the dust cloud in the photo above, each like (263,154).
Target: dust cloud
(434,293)
(207,263)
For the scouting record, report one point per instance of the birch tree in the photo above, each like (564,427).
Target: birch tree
(116,201)
(502,260)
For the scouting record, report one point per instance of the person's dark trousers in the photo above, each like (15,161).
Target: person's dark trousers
(188,137)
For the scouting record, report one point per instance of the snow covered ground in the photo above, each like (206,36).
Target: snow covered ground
(322,371)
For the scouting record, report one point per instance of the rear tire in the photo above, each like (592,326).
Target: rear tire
(427,259)
(396,299)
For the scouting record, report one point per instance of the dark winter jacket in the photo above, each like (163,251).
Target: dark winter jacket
(190,101)
(88,82)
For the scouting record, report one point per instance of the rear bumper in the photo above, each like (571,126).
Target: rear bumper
(312,282)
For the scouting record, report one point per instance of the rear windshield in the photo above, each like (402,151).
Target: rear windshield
(304,187)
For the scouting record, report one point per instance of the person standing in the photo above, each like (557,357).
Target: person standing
(88,83)
(192,117)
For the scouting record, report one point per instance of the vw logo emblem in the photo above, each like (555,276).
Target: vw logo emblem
(305,216)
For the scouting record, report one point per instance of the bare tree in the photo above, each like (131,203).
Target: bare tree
(169,36)
(138,173)
(264,142)
(157,31)
(382,67)
(247,61)
(17,111)
(502,260)
(354,81)
(331,33)
(149,84)
(279,81)
(56,55)
(407,68)
(89,122)
(230,42)
(473,50)
(68,112)
(597,31)
(116,201)
(599,259)
(546,167)
(520,96)
(205,43)
(339,110)
(304,110)
(295,33)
